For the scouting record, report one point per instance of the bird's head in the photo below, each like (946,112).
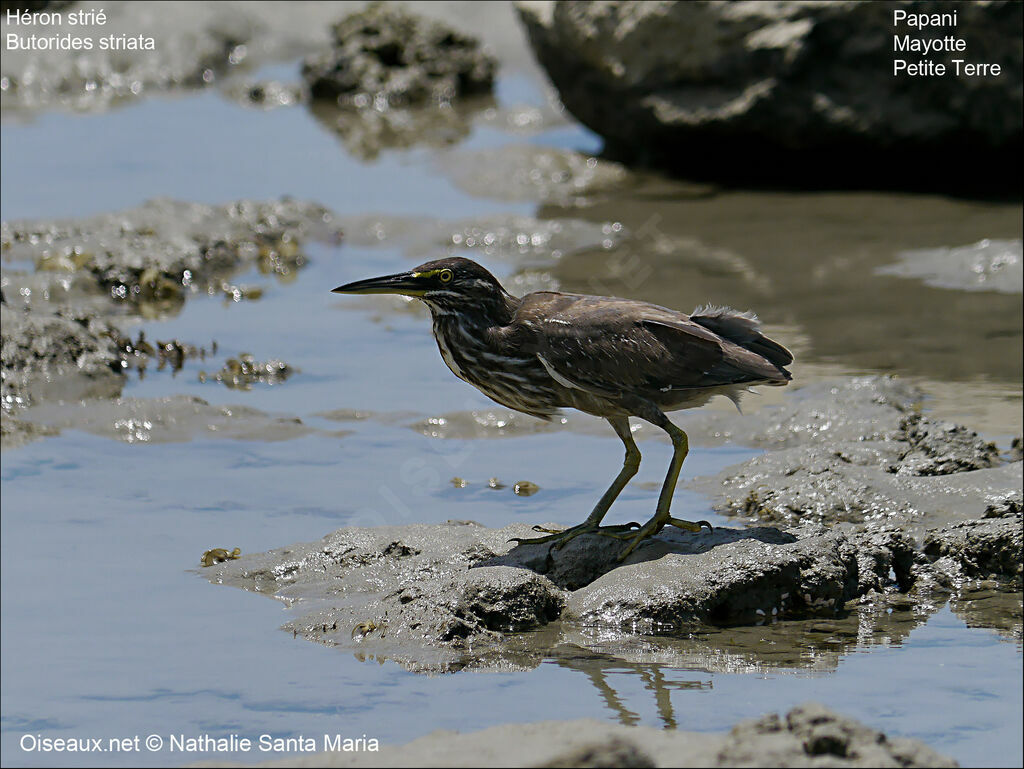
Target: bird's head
(446,285)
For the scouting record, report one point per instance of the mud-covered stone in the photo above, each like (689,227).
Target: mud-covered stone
(941,448)
(988,548)
(855,451)
(59,344)
(149,259)
(441,598)
(813,735)
(475,603)
(745,581)
(1016,453)
(394,79)
(602,754)
(787,91)
(60,356)
(407,593)
(810,735)
(183,46)
(879,551)
(848,411)
(812,484)
(385,56)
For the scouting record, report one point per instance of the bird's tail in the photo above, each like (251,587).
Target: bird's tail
(744,329)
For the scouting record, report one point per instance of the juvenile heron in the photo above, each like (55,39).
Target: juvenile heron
(613,358)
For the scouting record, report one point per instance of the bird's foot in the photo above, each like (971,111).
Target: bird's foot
(560,538)
(655,525)
(690,525)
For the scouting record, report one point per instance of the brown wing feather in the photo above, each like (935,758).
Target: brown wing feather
(610,346)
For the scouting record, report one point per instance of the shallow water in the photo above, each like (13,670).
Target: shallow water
(107,632)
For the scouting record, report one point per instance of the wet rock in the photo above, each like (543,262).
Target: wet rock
(56,356)
(138,354)
(503,600)
(146,261)
(846,411)
(194,46)
(885,554)
(809,735)
(941,448)
(585,558)
(606,753)
(815,484)
(1016,453)
(149,259)
(811,483)
(429,610)
(173,353)
(795,92)
(813,735)
(855,451)
(988,265)
(525,488)
(440,597)
(473,607)
(745,581)
(988,548)
(385,56)
(396,79)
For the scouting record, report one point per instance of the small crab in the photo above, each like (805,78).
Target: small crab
(218,554)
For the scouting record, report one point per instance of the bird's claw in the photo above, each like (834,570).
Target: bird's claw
(560,538)
(694,526)
(652,527)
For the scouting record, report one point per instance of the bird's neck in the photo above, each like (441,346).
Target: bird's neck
(496,310)
(502,309)
(466,334)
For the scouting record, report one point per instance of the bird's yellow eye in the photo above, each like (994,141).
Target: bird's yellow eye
(445,276)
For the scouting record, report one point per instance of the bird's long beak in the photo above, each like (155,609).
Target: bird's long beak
(407,283)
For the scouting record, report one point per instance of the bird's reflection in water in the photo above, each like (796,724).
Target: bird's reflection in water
(657,679)
(664,664)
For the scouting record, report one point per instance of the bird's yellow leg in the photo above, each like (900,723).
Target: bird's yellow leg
(662,516)
(630,465)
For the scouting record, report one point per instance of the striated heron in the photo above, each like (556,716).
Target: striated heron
(610,357)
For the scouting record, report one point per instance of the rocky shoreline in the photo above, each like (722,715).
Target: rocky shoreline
(447,597)
(808,735)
